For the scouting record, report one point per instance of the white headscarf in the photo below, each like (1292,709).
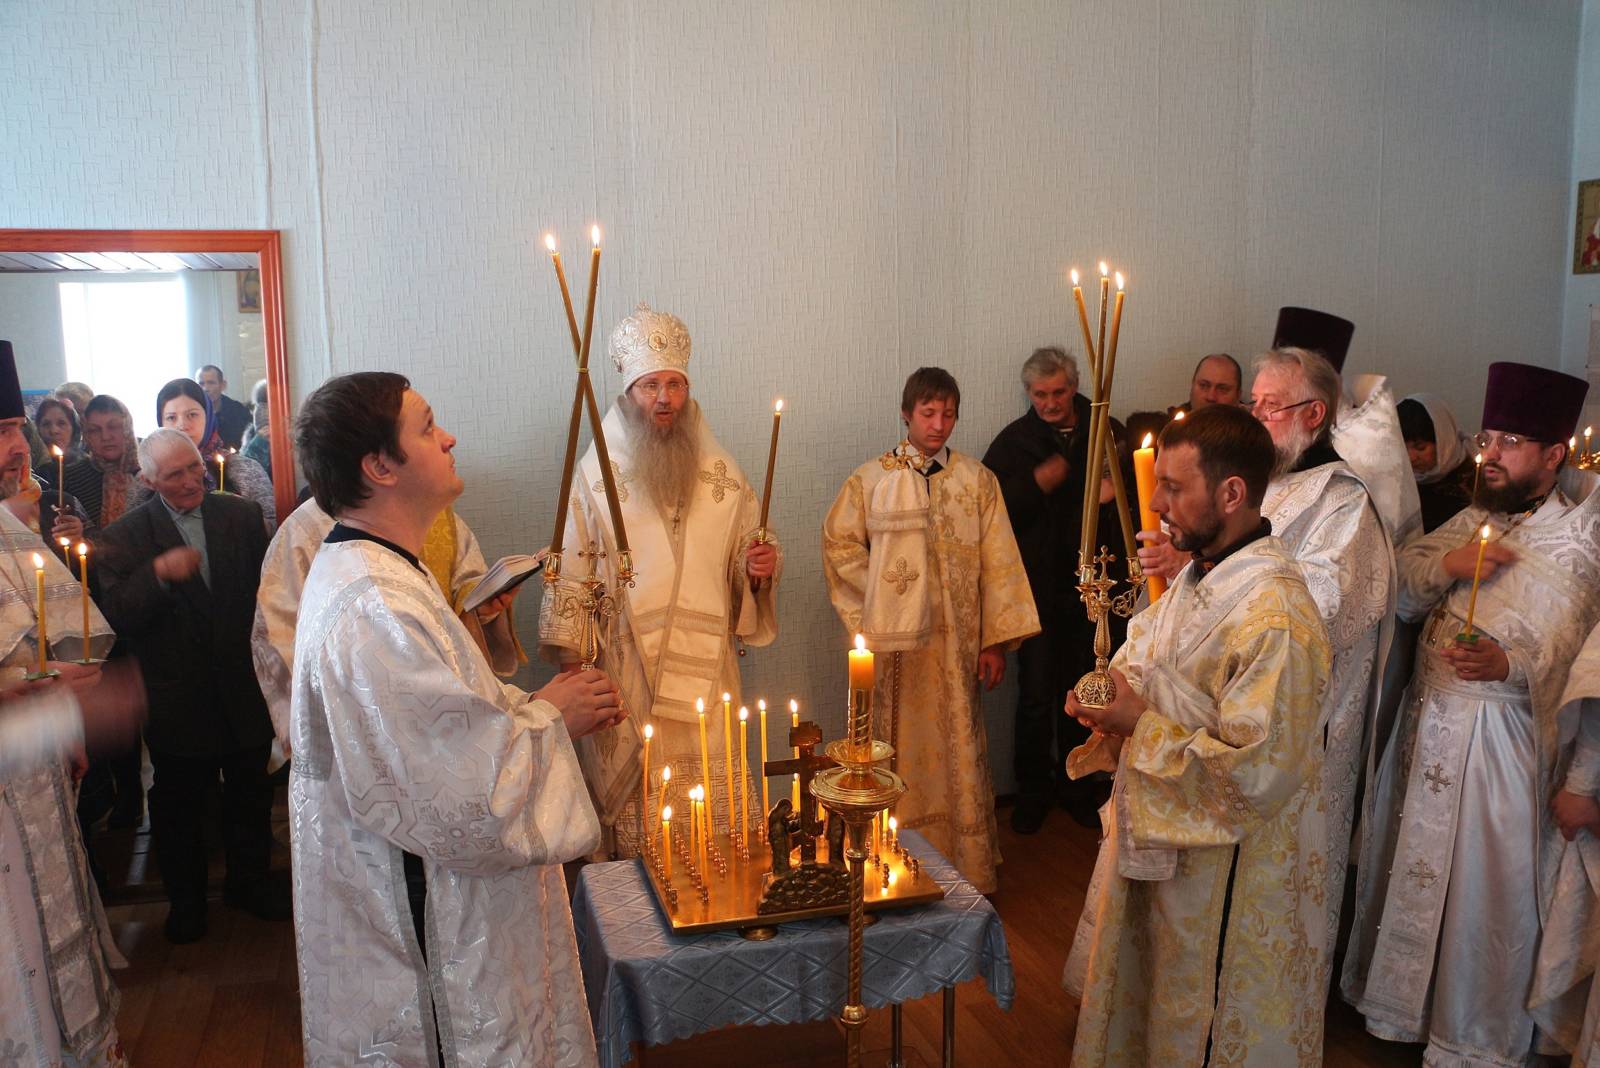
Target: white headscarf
(1450,444)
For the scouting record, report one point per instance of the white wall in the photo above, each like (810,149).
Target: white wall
(830,194)
(30,318)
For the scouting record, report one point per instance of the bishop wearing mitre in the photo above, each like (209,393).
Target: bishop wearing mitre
(705,576)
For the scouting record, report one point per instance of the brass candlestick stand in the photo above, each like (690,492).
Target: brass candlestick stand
(856,792)
(593,606)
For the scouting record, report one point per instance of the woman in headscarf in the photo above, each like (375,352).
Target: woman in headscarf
(106,480)
(183,405)
(1441,457)
(57,421)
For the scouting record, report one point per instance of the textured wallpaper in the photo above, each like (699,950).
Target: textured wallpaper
(830,194)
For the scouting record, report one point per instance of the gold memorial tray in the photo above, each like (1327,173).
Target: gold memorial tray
(733,895)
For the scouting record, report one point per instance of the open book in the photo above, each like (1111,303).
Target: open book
(508,573)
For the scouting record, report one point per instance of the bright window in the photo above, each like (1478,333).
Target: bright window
(128,338)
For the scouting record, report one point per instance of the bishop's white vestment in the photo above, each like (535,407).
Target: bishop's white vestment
(671,641)
(405,743)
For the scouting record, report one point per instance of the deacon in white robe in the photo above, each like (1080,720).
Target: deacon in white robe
(703,581)
(1458,848)
(57,1000)
(920,559)
(450,554)
(431,805)
(1204,928)
(1566,998)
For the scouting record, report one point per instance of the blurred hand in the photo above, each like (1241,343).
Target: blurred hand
(991,667)
(1478,661)
(1052,473)
(1574,813)
(66,525)
(761,560)
(1158,556)
(490,610)
(587,700)
(176,565)
(80,677)
(1459,563)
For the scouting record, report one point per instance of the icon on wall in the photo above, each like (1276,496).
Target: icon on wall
(250,291)
(1586,247)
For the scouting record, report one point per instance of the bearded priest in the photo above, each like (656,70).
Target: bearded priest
(703,577)
(920,559)
(1459,853)
(1204,930)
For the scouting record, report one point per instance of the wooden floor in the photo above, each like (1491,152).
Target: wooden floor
(231,1000)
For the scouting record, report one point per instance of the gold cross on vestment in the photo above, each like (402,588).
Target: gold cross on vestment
(717,478)
(620,477)
(901,576)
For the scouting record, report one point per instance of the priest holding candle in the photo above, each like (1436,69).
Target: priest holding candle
(1455,856)
(920,559)
(704,576)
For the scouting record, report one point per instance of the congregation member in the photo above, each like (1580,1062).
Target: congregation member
(1566,999)
(233,418)
(450,553)
(1441,457)
(1217,379)
(1448,908)
(1204,934)
(920,558)
(106,481)
(1325,517)
(184,406)
(178,578)
(258,439)
(1040,459)
(431,804)
(703,578)
(57,421)
(57,997)
(78,393)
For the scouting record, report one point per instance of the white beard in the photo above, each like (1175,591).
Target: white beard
(1289,452)
(666,462)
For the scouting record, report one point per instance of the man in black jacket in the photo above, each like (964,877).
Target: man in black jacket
(1040,460)
(179,576)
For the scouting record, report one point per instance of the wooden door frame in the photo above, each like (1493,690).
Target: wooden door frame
(265,244)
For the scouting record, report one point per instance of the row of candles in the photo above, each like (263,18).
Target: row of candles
(44,626)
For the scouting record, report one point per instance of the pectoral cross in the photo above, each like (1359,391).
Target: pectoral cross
(805,737)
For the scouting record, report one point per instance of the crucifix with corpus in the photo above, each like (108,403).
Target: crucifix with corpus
(804,737)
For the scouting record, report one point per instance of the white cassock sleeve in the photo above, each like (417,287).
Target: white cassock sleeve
(476,776)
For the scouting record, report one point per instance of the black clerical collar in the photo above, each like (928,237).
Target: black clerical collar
(1320,453)
(340,532)
(1207,564)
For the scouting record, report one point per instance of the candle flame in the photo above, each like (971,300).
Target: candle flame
(38,561)
(861,643)
(1485,532)
(666,774)
(700,705)
(649,732)
(55,450)
(1149,440)
(83,548)
(894,824)
(761,705)
(1178,417)
(1073,274)
(594,235)
(65,543)
(1588,431)
(794,706)
(550,242)
(666,814)
(777,405)
(1104,269)
(1478,459)
(744,713)
(1572,443)
(726,696)
(1119,281)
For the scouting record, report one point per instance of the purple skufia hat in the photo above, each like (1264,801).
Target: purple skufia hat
(1306,328)
(1536,402)
(11,406)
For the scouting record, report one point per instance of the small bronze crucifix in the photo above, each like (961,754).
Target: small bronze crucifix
(805,737)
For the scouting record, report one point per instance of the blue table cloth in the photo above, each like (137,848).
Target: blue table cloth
(645,984)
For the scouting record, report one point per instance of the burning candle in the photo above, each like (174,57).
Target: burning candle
(1588,432)
(744,775)
(61,478)
(83,574)
(894,834)
(666,840)
(571,458)
(794,723)
(66,551)
(861,666)
(796,799)
(1083,318)
(1144,477)
(727,754)
(666,782)
(1105,299)
(705,762)
(1477,571)
(44,635)
(761,823)
(594,282)
(772,460)
(222,472)
(1477,472)
(644,779)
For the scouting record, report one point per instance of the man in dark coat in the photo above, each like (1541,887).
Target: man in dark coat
(233,418)
(1040,460)
(179,576)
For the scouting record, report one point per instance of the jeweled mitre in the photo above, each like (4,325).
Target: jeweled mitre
(649,341)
